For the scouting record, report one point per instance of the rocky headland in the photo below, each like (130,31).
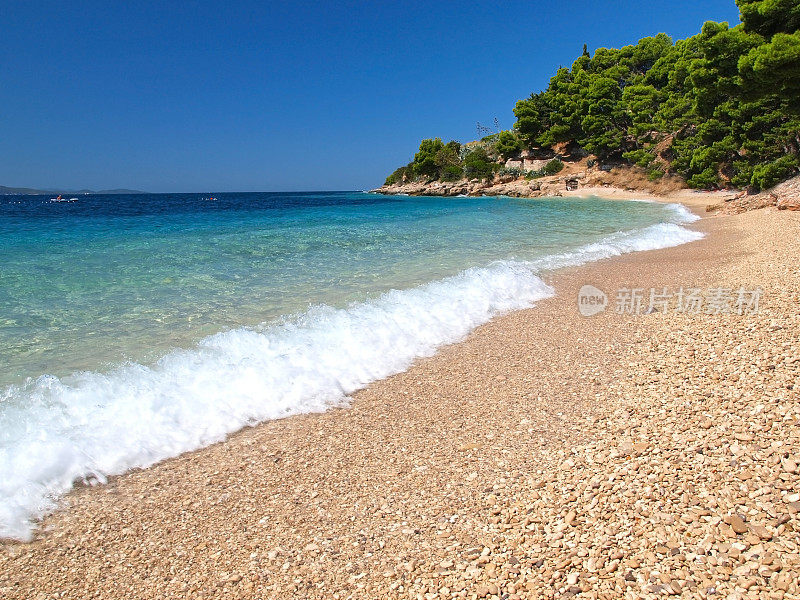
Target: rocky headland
(619,182)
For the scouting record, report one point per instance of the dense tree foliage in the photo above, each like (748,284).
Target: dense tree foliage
(721,108)
(448,162)
(508,144)
(479,165)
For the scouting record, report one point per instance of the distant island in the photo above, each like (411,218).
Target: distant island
(19,191)
(718,110)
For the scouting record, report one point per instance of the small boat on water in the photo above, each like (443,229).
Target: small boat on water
(60,199)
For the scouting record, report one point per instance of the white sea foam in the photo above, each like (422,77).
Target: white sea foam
(684,215)
(662,235)
(54,432)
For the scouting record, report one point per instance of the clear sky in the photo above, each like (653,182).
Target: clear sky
(292,95)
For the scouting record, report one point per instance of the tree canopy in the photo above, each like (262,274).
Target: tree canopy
(721,108)
(727,100)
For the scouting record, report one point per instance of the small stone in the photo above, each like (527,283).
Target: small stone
(751,538)
(782,582)
(737,524)
(468,447)
(572,578)
(762,532)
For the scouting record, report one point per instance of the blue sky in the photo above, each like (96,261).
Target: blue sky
(268,96)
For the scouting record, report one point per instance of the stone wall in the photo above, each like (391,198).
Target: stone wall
(531,164)
(526,164)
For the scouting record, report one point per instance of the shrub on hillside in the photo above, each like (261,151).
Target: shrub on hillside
(478,165)
(639,157)
(704,180)
(425,159)
(553,167)
(401,175)
(770,174)
(508,144)
(452,173)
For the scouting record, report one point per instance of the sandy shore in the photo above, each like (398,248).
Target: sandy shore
(698,200)
(547,455)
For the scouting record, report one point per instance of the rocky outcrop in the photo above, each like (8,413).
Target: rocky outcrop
(575,175)
(788,204)
(500,186)
(784,196)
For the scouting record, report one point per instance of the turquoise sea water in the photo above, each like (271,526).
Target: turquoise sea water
(133,328)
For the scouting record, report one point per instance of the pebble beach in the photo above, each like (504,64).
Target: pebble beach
(547,455)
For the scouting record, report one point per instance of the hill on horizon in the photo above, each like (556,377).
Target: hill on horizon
(8,191)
